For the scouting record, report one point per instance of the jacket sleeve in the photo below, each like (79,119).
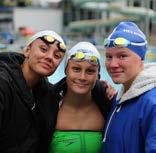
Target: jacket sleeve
(148,124)
(1,109)
(4,100)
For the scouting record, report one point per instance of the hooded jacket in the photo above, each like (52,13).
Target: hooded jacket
(131,127)
(55,96)
(21,123)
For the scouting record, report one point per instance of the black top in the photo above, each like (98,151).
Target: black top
(22,126)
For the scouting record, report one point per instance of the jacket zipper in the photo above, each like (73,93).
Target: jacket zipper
(117,109)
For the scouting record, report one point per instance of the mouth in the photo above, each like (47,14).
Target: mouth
(116,73)
(47,66)
(81,85)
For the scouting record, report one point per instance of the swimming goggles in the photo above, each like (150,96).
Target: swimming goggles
(50,40)
(80,56)
(121,42)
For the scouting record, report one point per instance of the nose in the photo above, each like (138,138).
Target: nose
(114,62)
(82,75)
(50,54)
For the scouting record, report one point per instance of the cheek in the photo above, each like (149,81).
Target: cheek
(93,84)
(69,82)
(69,74)
(107,65)
(33,56)
(133,70)
(93,80)
(57,62)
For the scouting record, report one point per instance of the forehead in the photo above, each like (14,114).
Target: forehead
(53,46)
(118,50)
(83,64)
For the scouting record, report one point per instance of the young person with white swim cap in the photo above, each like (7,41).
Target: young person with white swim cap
(82,104)
(22,126)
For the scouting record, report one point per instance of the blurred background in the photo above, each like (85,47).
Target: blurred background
(74,20)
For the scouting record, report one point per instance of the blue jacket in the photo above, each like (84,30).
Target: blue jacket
(131,126)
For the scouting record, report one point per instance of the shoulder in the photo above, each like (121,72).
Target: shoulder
(150,96)
(147,103)
(5,78)
(6,90)
(99,87)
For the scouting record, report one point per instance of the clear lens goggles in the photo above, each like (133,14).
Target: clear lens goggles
(121,42)
(50,40)
(80,56)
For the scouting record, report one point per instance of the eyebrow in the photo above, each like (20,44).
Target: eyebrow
(76,62)
(47,44)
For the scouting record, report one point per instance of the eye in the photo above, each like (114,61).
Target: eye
(43,49)
(91,71)
(58,54)
(122,56)
(76,69)
(108,57)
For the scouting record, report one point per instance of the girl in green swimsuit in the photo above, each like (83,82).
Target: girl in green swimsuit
(81,114)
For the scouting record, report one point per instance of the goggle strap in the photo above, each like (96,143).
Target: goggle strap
(139,44)
(132,43)
(58,43)
(59,46)
(44,40)
(92,59)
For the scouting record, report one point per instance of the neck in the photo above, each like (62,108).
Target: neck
(30,78)
(77,100)
(128,84)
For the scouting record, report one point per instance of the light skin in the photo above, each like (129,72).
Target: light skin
(81,77)
(41,60)
(123,65)
(79,111)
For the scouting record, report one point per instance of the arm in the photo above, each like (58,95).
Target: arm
(110,91)
(1,111)
(150,146)
(148,124)
(4,96)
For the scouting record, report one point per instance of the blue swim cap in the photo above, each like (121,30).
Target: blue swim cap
(131,32)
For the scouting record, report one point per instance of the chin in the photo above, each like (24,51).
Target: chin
(117,81)
(47,73)
(81,92)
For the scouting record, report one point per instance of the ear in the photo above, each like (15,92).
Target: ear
(27,52)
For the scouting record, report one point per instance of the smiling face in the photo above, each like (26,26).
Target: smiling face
(123,65)
(42,59)
(81,76)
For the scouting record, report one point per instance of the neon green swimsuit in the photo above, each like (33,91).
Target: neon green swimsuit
(76,142)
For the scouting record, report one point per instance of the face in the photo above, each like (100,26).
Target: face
(81,76)
(42,59)
(123,65)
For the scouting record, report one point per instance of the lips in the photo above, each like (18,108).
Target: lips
(116,73)
(81,84)
(47,65)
